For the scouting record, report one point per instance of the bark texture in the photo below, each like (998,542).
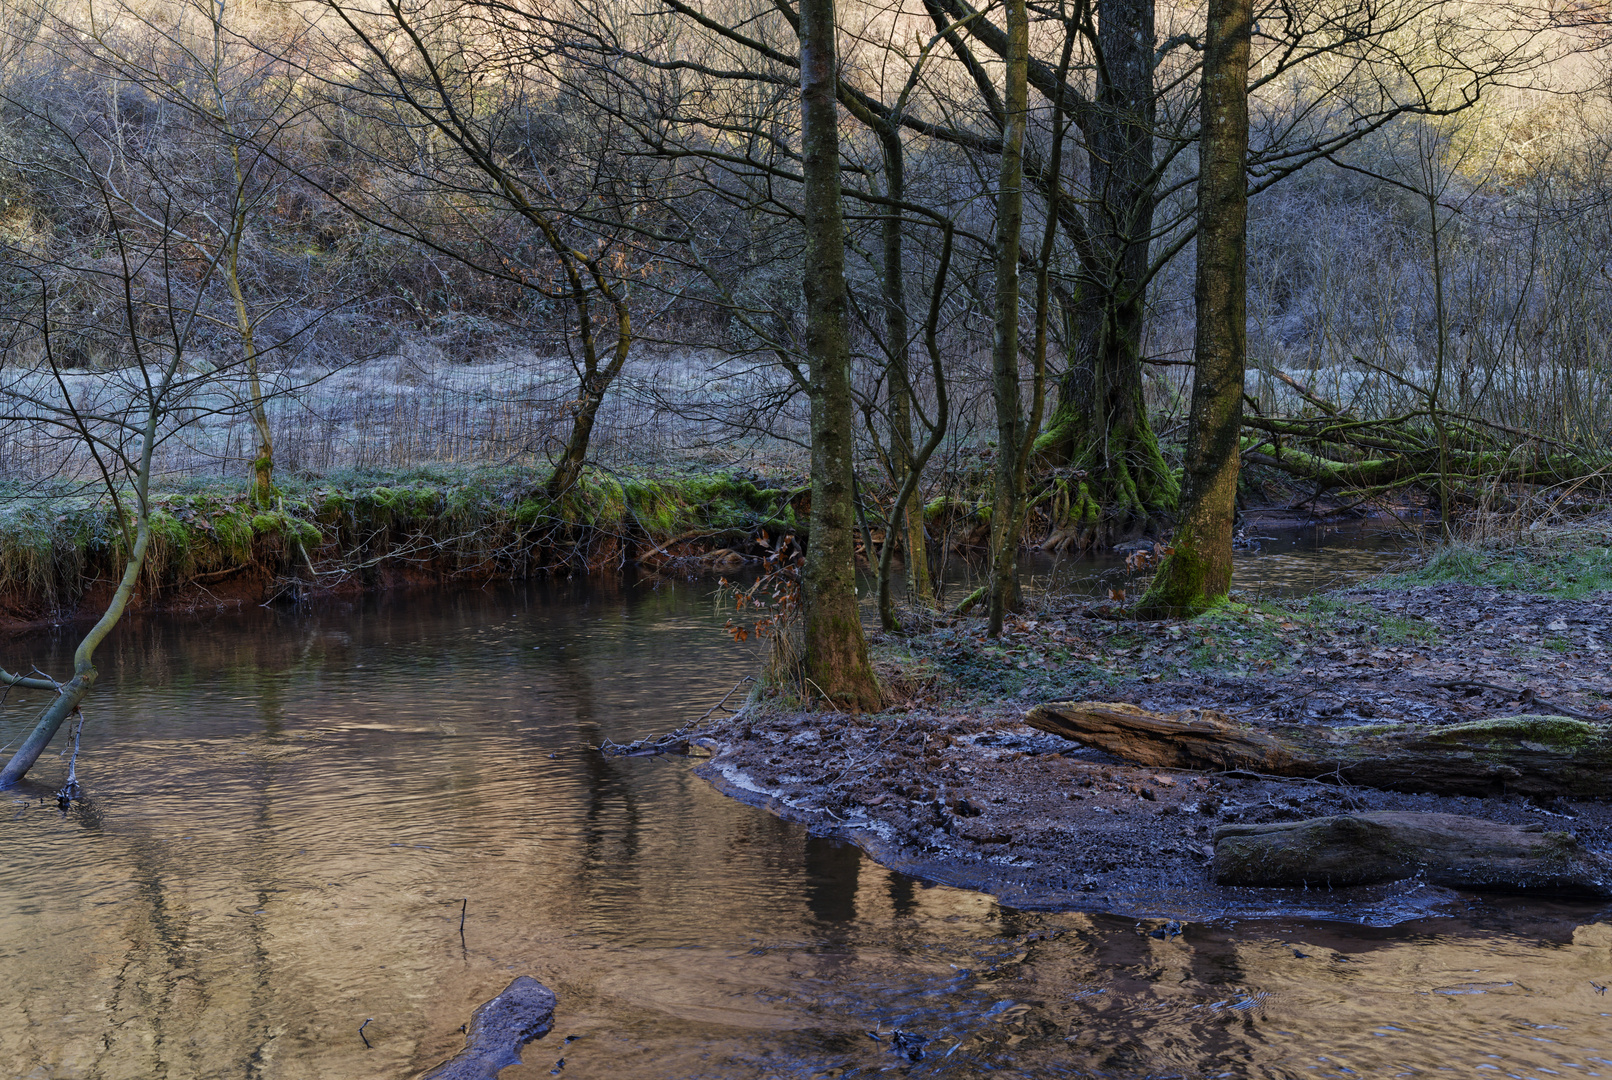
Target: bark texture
(1385,845)
(1529,755)
(905,458)
(837,664)
(1004,586)
(1197,572)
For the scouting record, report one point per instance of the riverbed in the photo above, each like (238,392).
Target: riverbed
(301,823)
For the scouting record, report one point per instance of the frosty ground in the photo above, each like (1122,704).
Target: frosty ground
(950,785)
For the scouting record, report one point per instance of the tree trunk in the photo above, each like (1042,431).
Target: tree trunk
(1004,583)
(1528,755)
(1100,426)
(837,664)
(568,470)
(595,384)
(903,451)
(263,490)
(1197,571)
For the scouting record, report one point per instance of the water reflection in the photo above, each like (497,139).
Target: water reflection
(290,810)
(1284,562)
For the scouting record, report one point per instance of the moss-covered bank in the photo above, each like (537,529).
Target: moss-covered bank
(61,549)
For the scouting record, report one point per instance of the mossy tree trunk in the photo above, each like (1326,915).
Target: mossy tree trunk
(70,695)
(837,664)
(1100,426)
(1006,522)
(1197,571)
(263,490)
(595,382)
(243,202)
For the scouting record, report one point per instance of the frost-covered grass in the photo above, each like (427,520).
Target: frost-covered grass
(419,407)
(1571,559)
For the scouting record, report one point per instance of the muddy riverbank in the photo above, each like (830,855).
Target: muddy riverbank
(950,784)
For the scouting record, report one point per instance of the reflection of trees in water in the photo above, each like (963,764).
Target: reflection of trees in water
(831,880)
(175,993)
(296,770)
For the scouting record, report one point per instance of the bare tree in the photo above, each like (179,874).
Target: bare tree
(229,104)
(443,93)
(103,339)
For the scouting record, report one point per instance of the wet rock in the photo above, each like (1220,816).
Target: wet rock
(497,1031)
(1445,849)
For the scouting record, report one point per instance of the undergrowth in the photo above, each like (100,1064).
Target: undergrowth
(1571,560)
(55,542)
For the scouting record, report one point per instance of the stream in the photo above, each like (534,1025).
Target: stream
(375,814)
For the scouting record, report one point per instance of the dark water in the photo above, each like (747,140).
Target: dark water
(287,810)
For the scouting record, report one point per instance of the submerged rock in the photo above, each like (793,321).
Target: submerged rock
(497,1031)
(1444,849)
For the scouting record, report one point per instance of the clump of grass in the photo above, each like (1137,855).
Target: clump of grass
(493,521)
(1571,559)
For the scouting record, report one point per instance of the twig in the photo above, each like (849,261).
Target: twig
(854,762)
(70,790)
(826,698)
(724,701)
(361,1034)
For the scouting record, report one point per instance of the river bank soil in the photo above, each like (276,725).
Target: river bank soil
(951,785)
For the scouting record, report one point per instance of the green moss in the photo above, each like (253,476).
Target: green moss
(234,532)
(1178,587)
(1569,561)
(1559,732)
(53,542)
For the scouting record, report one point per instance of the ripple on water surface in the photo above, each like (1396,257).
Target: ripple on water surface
(290,812)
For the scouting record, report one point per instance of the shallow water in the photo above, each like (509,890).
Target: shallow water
(288,813)
(1287,561)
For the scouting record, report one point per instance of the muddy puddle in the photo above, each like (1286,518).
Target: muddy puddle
(288,813)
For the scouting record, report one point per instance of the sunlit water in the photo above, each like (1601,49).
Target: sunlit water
(290,811)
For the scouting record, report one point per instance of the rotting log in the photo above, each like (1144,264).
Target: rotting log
(1542,756)
(1444,849)
(497,1031)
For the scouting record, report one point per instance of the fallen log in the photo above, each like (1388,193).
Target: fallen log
(1542,756)
(497,1031)
(1445,849)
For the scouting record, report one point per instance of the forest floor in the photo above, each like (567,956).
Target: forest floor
(949,784)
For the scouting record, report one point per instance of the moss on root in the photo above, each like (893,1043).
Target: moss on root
(1123,486)
(1178,589)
